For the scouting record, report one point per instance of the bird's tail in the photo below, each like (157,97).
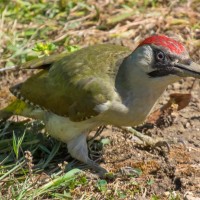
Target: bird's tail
(19,107)
(4,115)
(14,108)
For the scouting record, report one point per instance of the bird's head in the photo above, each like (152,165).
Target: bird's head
(159,57)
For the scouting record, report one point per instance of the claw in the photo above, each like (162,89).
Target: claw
(183,143)
(101,172)
(129,171)
(149,141)
(163,143)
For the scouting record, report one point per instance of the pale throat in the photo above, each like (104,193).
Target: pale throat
(140,102)
(140,96)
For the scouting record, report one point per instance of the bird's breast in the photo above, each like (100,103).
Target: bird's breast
(63,129)
(131,113)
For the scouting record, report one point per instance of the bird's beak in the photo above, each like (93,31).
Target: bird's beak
(187,70)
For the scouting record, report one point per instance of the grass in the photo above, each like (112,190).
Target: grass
(32,165)
(21,177)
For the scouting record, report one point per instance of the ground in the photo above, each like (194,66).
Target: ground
(139,172)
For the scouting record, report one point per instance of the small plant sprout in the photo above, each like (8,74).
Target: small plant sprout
(102,185)
(45,49)
(17,142)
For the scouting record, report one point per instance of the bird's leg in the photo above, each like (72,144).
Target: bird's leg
(149,141)
(91,140)
(98,132)
(77,147)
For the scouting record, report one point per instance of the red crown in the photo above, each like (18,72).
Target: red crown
(161,40)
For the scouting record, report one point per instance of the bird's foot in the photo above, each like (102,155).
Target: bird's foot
(77,147)
(129,171)
(101,172)
(146,140)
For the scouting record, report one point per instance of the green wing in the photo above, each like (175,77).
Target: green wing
(74,84)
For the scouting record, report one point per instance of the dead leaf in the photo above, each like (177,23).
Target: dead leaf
(176,102)
(153,117)
(182,100)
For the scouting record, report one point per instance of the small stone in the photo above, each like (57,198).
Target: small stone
(187,125)
(176,86)
(190,196)
(169,87)
(167,193)
(170,194)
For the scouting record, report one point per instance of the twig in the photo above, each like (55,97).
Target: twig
(8,68)
(193,84)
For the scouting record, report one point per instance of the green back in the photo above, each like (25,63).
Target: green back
(74,84)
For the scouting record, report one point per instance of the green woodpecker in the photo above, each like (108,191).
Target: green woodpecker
(99,85)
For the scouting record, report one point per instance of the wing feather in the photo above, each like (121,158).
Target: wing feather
(75,84)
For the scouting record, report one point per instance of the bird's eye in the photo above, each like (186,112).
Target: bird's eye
(160,56)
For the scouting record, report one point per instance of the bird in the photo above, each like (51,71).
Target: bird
(99,85)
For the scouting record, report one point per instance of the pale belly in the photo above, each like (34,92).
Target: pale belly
(116,118)
(118,114)
(63,129)
(123,120)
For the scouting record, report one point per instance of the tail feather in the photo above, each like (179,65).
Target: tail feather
(4,115)
(14,108)
(19,107)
